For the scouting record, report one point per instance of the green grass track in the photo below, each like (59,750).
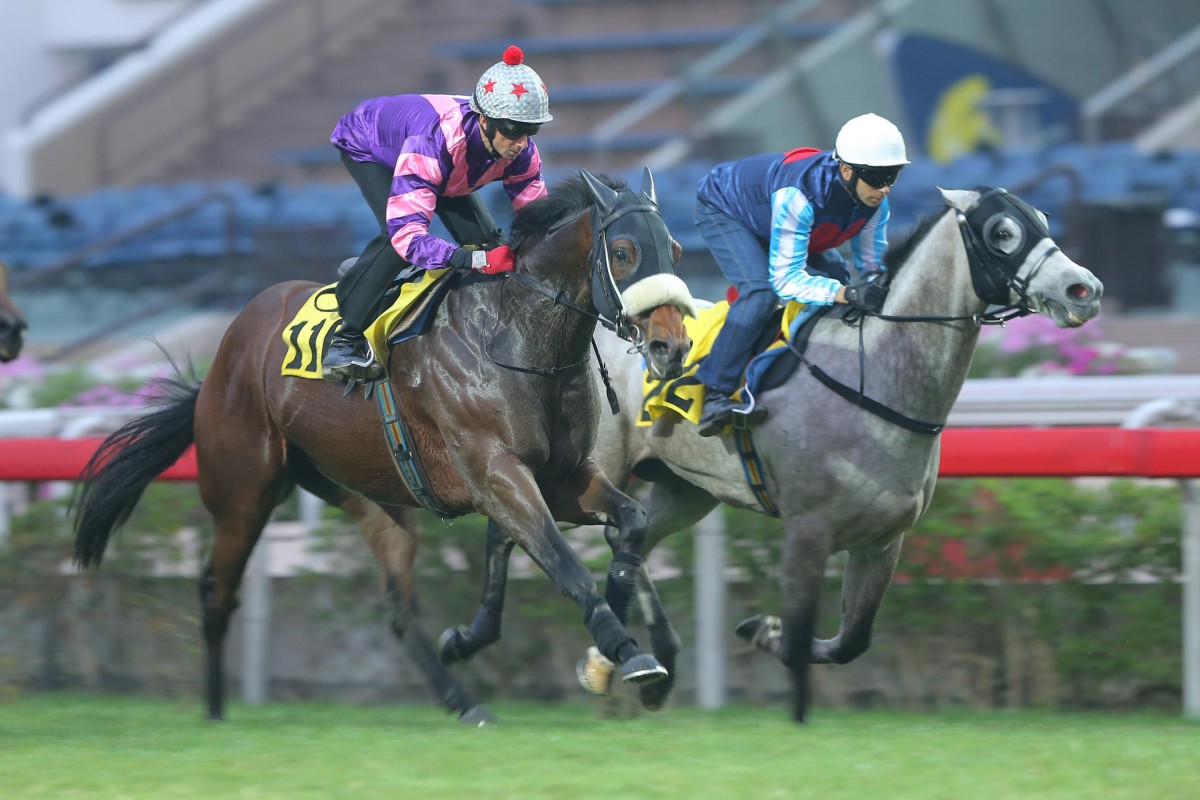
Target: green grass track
(71,746)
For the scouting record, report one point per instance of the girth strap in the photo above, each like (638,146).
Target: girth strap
(752,465)
(407,462)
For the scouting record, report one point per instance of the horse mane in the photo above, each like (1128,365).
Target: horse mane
(568,197)
(898,252)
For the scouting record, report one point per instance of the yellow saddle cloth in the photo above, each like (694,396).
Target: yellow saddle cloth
(684,396)
(308,334)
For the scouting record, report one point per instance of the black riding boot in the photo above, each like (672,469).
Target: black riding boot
(720,410)
(349,357)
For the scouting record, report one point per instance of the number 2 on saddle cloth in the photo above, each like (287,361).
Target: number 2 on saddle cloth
(684,396)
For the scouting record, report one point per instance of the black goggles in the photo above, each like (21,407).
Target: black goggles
(877,178)
(510,129)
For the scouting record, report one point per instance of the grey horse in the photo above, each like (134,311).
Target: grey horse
(847,469)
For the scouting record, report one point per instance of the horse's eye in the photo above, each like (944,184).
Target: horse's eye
(624,258)
(1003,234)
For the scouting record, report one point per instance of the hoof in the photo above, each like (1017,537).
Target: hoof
(643,668)
(477,717)
(595,672)
(764,632)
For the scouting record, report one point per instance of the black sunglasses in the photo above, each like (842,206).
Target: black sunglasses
(878,178)
(515,130)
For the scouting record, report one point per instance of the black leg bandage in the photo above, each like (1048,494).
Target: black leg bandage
(622,580)
(611,637)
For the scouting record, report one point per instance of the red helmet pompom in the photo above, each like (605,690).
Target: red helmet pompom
(513,55)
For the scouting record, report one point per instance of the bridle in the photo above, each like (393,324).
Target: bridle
(610,311)
(994,277)
(994,273)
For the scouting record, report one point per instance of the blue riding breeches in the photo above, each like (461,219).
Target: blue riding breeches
(742,257)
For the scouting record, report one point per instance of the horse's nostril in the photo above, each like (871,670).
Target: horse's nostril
(1079,291)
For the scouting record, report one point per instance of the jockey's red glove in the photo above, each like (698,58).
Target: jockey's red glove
(499,259)
(489,262)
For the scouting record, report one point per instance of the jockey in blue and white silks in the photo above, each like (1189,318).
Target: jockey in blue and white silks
(773,223)
(416,155)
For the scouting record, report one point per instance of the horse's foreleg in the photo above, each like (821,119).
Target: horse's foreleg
(463,641)
(664,641)
(515,503)
(671,504)
(866,579)
(589,496)
(393,542)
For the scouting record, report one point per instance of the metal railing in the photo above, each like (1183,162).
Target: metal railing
(160,104)
(221,81)
(1134,84)
(679,87)
(60,89)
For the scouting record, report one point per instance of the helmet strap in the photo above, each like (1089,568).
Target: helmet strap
(489,135)
(850,183)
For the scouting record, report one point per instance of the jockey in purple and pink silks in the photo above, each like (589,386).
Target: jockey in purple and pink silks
(415,155)
(773,223)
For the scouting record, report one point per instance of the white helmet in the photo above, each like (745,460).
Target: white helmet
(510,89)
(870,141)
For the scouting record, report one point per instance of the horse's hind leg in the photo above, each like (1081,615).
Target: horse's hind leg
(671,505)
(241,501)
(806,553)
(864,583)
(389,532)
(463,641)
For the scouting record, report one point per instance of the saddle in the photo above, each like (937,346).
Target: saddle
(409,309)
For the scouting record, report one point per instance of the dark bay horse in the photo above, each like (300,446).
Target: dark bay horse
(848,471)
(12,321)
(500,404)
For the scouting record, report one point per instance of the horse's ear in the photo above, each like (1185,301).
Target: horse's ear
(605,197)
(962,199)
(648,186)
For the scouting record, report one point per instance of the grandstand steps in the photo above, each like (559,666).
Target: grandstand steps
(286,138)
(596,57)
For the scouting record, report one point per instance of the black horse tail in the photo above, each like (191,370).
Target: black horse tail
(126,462)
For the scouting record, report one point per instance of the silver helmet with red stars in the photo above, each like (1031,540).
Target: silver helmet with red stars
(510,89)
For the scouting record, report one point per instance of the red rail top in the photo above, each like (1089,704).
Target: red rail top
(966,452)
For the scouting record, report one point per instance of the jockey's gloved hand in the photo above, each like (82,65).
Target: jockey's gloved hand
(489,262)
(866,295)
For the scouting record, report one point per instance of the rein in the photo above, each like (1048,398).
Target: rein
(558,298)
(600,273)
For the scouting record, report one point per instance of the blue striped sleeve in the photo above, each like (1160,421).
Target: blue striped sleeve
(870,244)
(791,223)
